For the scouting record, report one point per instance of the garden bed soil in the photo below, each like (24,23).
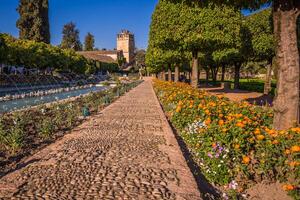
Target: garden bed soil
(241,95)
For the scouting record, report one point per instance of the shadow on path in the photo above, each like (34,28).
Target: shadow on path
(208,191)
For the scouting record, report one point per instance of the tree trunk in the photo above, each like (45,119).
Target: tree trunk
(223,73)
(176,77)
(267,86)
(214,73)
(286,104)
(163,75)
(237,68)
(207,76)
(169,73)
(194,79)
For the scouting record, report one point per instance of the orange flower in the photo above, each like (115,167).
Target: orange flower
(221,122)
(257,132)
(288,187)
(239,124)
(260,137)
(294,164)
(237,146)
(207,112)
(207,121)
(295,149)
(178,109)
(221,115)
(246,159)
(296,129)
(214,145)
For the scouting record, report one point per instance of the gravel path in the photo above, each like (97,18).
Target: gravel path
(127,151)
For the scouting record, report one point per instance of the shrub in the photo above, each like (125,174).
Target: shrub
(46,128)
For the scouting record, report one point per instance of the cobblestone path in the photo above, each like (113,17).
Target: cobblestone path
(127,151)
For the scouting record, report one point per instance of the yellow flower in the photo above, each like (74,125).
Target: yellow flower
(295,149)
(178,109)
(260,137)
(257,131)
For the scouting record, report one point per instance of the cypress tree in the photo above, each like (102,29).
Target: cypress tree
(70,38)
(33,23)
(89,42)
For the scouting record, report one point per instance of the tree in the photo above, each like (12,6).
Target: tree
(70,38)
(3,49)
(33,23)
(89,42)
(285,15)
(140,58)
(263,41)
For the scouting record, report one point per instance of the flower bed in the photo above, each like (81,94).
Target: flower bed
(233,143)
(23,131)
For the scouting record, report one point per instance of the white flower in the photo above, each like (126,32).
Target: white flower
(194,127)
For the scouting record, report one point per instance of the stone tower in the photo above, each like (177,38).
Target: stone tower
(125,43)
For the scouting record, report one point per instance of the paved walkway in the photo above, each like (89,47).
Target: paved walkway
(128,151)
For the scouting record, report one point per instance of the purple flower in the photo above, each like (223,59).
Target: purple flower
(217,155)
(209,155)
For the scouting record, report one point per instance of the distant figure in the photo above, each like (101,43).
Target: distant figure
(141,74)
(182,78)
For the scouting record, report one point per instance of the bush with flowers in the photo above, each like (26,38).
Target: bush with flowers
(232,142)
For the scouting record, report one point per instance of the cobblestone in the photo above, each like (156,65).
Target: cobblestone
(127,151)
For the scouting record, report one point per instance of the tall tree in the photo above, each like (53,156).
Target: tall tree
(89,42)
(263,41)
(70,38)
(163,46)
(140,58)
(33,23)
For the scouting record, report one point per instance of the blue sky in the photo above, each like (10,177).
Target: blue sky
(103,18)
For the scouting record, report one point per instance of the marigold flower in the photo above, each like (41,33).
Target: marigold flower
(221,122)
(287,151)
(294,164)
(260,137)
(257,131)
(239,124)
(237,146)
(214,145)
(178,109)
(246,159)
(207,121)
(295,149)
(288,187)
